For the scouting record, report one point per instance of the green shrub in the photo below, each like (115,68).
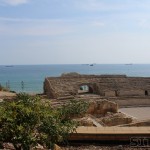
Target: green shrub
(73,108)
(19,121)
(27,121)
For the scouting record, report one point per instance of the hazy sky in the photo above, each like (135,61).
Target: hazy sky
(74,31)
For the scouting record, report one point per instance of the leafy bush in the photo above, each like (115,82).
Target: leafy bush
(73,108)
(19,121)
(58,124)
(27,121)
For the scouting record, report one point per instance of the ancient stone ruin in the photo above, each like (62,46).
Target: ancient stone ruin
(72,84)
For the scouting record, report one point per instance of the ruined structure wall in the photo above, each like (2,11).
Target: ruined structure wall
(110,93)
(132,92)
(48,90)
(102,85)
(131,101)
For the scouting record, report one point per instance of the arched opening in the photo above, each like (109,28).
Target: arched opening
(146,93)
(83,89)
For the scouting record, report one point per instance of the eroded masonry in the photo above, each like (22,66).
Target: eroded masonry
(106,94)
(72,84)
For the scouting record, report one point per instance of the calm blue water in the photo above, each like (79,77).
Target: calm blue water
(33,75)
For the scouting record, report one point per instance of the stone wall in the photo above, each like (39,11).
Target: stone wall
(104,85)
(101,107)
(116,119)
(131,92)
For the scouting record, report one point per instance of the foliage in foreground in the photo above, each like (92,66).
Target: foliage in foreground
(27,121)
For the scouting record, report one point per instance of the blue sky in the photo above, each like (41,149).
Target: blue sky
(74,31)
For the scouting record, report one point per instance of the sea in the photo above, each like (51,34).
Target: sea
(30,78)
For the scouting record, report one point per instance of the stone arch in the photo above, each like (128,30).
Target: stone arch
(85,88)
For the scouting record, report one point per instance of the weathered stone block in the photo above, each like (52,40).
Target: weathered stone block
(116,119)
(101,107)
(85,121)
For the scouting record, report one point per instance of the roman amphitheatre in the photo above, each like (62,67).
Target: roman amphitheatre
(109,96)
(118,108)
